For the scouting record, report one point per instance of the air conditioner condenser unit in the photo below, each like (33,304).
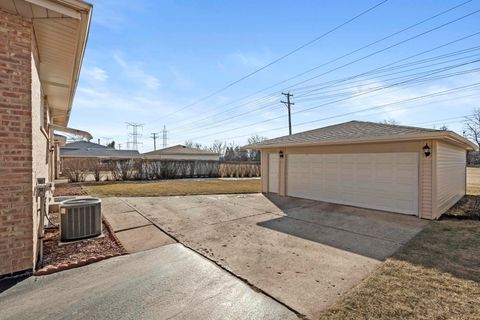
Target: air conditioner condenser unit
(80,218)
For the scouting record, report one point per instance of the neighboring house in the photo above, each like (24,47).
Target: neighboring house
(87,149)
(402,169)
(42,44)
(180,152)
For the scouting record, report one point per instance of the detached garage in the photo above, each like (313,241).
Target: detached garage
(402,169)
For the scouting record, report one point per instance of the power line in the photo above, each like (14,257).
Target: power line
(403,59)
(418,98)
(342,81)
(336,101)
(345,55)
(288,104)
(154,136)
(344,99)
(279,58)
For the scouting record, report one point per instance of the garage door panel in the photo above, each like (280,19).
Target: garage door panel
(384,181)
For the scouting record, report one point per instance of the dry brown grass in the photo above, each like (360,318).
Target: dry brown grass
(435,276)
(172,188)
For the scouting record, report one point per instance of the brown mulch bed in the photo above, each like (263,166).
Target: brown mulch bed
(467,208)
(55,254)
(69,189)
(75,253)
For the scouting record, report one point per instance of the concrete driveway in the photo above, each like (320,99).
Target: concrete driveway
(304,253)
(170,282)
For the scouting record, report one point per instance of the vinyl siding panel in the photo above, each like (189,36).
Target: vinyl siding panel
(473,180)
(273,172)
(451,175)
(426,183)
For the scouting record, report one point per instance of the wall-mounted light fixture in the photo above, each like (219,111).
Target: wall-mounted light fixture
(280,154)
(427,150)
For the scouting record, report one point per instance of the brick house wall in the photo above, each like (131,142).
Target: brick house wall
(24,148)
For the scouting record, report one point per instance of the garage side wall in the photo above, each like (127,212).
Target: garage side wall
(264,171)
(450,176)
(426,182)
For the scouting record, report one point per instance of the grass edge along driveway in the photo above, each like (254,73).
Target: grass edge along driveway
(434,276)
(172,187)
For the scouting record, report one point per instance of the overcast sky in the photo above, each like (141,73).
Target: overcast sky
(159,62)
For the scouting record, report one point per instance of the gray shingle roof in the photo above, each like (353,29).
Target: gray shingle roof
(86,149)
(180,149)
(352,131)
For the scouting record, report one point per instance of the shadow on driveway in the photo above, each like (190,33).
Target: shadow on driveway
(370,233)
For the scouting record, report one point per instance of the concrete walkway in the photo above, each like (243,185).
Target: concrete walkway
(134,231)
(170,282)
(304,253)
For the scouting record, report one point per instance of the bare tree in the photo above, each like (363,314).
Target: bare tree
(195,145)
(472,126)
(255,154)
(256,139)
(390,121)
(443,128)
(218,147)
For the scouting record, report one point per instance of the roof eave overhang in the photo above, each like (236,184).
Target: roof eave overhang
(85,10)
(82,12)
(448,135)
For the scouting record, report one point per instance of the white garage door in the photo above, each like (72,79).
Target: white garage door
(384,181)
(273,172)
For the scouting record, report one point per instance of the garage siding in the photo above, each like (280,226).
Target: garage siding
(450,166)
(273,173)
(426,183)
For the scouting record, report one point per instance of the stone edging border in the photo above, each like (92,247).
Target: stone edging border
(83,262)
(74,264)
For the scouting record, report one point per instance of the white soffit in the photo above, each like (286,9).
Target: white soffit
(60,30)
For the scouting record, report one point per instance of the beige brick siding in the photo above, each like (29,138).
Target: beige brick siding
(40,152)
(16,223)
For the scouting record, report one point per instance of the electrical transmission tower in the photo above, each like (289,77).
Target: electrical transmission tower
(135,135)
(164,136)
(288,103)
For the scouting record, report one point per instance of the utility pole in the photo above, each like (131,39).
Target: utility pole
(135,135)
(154,136)
(164,136)
(288,103)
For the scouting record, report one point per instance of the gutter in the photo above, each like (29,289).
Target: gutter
(77,132)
